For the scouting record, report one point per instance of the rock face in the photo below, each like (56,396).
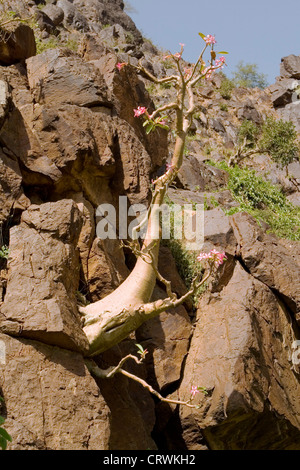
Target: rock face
(285,92)
(70,143)
(61,406)
(40,301)
(230,354)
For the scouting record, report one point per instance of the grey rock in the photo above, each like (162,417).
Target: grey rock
(195,175)
(72,16)
(290,66)
(55,13)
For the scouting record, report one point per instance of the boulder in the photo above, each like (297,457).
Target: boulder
(40,301)
(250,386)
(132,408)
(16,44)
(249,112)
(282,91)
(291,112)
(128,92)
(55,78)
(72,16)
(268,260)
(290,66)
(218,232)
(51,402)
(55,13)
(195,175)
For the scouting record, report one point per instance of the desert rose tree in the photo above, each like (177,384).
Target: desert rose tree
(111,319)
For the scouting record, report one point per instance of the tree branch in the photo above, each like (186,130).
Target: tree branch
(111,371)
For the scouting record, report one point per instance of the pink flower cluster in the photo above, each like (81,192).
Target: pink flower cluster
(209,39)
(194,390)
(220,62)
(120,65)
(139,111)
(214,255)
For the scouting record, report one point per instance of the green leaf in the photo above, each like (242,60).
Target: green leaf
(202,35)
(140,348)
(222,52)
(5,434)
(2,420)
(149,128)
(3,443)
(163,126)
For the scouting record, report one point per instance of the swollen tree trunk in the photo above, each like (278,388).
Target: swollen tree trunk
(110,320)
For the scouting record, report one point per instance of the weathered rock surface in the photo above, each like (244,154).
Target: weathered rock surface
(40,301)
(290,66)
(268,261)
(51,400)
(197,176)
(10,185)
(53,77)
(251,386)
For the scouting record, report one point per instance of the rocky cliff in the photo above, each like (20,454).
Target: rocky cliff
(69,142)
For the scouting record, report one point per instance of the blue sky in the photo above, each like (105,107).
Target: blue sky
(256,31)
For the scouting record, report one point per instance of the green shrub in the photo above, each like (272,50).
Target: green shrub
(226,88)
(275,137)
(4,436)
(4,252)
(247,75)
(223,107)
(186,260)
(249,131)
(262,200)
(279,138)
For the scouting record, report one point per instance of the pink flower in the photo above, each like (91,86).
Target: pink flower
(209,39)
(139,111)
(215,256)
(177,55)
(194,390)
(120,65)
(220,62)
(187,71)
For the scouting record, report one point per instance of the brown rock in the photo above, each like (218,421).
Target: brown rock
(241,352)
(290,66)
(51,401)
(128,92)
(10,185)
(197,176)
(40,300)
(55,13)
(281,92)
(268,260)
(17,43)
(55,78)
(218,232)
